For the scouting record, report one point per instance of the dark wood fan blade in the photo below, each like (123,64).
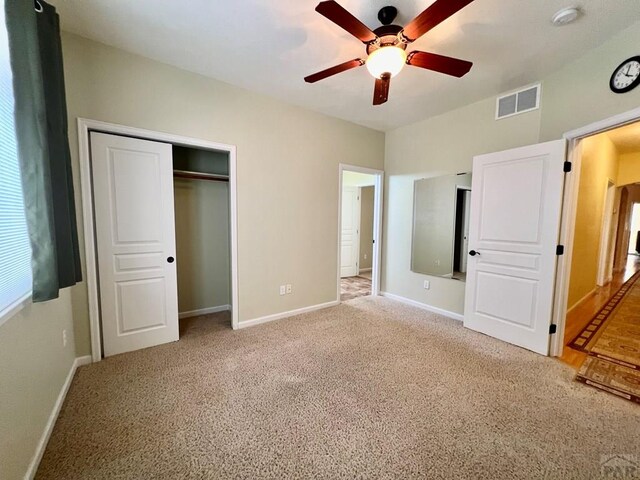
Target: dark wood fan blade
(341,17)
(437,13)
(381,89)
(439,63)
(334,70)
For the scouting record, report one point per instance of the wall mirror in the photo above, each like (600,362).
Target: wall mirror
(441,226)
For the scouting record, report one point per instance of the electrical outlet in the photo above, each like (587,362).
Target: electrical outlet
(282,290)
(365,256)
(427,284)
(288,288)
(64,338)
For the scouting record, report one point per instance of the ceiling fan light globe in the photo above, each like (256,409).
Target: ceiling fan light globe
(389,60)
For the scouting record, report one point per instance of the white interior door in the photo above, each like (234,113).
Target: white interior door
(515,219)
(350,237)
(135,236)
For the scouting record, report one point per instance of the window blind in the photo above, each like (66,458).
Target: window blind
(15,251)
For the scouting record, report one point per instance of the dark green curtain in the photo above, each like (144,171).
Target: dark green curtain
(43,148)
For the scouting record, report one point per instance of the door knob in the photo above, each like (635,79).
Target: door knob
(170,259)
(473,253)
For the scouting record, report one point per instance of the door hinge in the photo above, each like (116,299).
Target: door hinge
(553,328)
(567,167)
(560,250)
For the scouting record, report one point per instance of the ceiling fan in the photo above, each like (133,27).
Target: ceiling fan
(386,45)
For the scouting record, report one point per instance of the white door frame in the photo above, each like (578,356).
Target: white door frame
(85,126)
(377,223)
(568,222)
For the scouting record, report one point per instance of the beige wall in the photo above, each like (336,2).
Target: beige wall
(202,244)
(287,159)
(599,164)
(629,168)
(33,368)
(571,98)
(579,94)
(366,226)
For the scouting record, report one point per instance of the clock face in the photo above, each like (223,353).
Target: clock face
(627,76)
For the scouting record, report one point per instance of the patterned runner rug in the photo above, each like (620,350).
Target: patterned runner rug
(612,340)
(611,377)
(616,324)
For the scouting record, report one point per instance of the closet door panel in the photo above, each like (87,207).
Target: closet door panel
(135,232)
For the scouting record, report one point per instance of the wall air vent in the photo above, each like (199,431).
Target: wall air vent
(524,100)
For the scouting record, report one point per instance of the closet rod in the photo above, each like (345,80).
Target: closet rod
(200,176)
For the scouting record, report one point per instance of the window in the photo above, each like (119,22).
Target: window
(15,251)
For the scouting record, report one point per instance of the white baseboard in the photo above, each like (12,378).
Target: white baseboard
(424,306)
(290,313)
(583,299)
(204,311)
(44,439)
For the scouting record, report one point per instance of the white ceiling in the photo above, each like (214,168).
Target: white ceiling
(269,46)
(626,139)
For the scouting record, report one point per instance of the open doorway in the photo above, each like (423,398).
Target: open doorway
(359,232)
(202,231)
(602,322)
(461,233)
(634,243)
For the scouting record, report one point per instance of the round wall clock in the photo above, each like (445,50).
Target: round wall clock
(627,76)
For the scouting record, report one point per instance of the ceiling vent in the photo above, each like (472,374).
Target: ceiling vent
(522,101)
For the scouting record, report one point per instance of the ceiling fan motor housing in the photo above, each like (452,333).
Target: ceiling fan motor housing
(387,35)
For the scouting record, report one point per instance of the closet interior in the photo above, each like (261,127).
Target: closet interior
(202,224)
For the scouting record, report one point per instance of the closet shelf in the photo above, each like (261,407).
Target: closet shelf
(200,176)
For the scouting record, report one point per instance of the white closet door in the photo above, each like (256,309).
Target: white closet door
(516,202)
(135,233)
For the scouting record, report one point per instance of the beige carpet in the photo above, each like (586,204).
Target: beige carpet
(368,389)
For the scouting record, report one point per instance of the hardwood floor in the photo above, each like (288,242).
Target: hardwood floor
(578,318)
